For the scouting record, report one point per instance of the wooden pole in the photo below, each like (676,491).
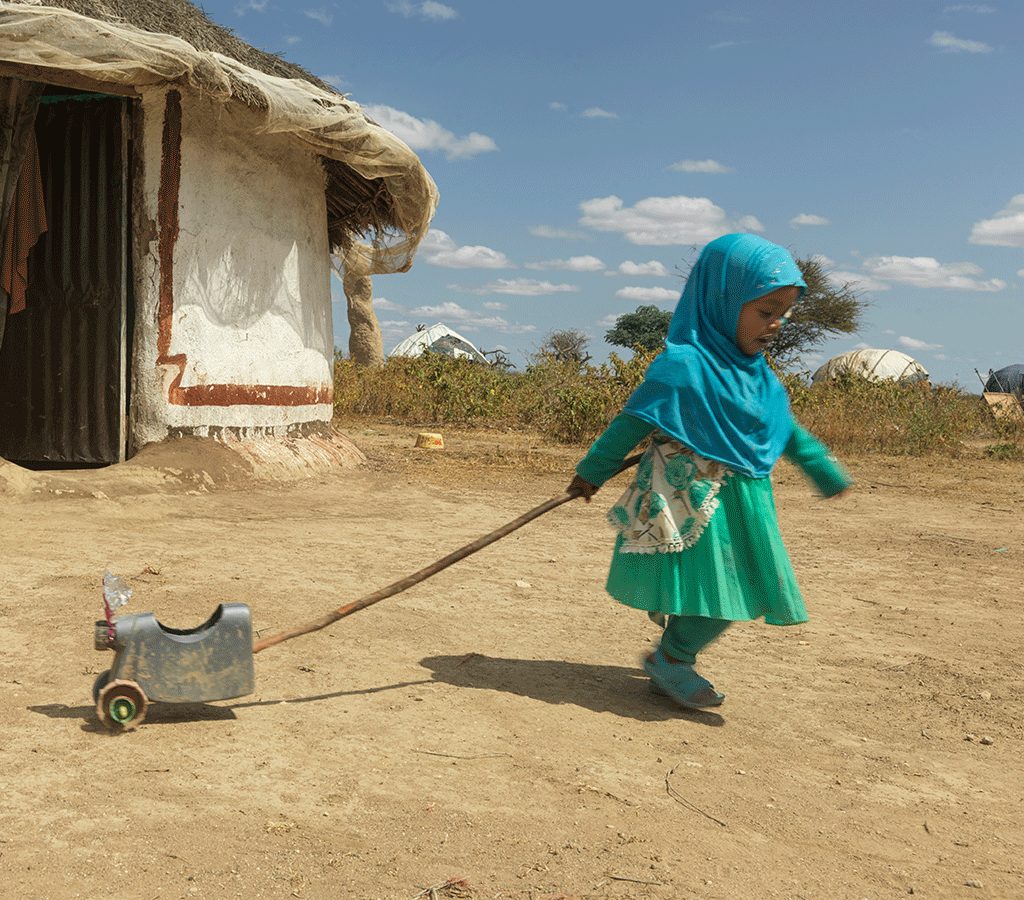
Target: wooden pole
(405,583)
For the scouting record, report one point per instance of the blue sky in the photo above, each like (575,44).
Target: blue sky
(584,151)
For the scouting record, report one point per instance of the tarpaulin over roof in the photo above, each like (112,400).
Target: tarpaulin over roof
(329,123)
(1007,380)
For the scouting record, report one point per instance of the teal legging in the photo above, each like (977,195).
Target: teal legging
(686,636)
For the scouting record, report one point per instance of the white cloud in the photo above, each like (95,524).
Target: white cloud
(572,264)
(335,81)
(557,105)
(439,12)
(659,221)
(426,134)
(494,304)
(823,261)
(721,45)
(1005,228)
(251,6)
(980,9)
(595,112)
(1020,272)
(858,281)
(915,344)
(292,39)
(608,321)
(807,219)
(430,9)
(394,328)
(549,231)
(647,294)
(652,267)
(385,304)
(749,223)
(928,272)
(705,166)
(949,43)
(524,287)
(471,320)
(438,249)
(320,15)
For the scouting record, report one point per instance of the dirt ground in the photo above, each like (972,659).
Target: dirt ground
(489,733)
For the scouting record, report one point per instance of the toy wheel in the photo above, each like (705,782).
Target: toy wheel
(121,704)
(99,684)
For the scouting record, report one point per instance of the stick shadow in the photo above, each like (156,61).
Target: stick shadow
(174,713)
(620,690)
(157,714)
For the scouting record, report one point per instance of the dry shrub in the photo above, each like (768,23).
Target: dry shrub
(571,403)
(565,401)
(852,414)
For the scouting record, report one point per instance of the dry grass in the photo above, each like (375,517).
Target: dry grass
(571,404)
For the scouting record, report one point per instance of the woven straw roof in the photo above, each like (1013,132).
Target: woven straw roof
(355,205)
(187,21)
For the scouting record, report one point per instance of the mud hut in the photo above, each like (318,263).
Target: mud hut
(172,199)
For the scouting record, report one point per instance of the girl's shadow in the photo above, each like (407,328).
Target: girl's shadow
(615,689)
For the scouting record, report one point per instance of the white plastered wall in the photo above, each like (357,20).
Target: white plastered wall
(252,300)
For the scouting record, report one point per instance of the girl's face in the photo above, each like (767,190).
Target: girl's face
(761,319)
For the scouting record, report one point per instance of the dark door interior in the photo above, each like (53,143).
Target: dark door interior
(63,360)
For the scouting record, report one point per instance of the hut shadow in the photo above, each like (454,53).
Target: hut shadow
(620,690)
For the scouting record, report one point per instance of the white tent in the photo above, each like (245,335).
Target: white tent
(874,365)
(438,338)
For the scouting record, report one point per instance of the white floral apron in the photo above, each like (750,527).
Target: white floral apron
(671,500)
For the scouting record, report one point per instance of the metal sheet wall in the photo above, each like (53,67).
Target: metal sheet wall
(62,360)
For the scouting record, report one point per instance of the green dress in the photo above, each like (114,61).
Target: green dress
(697,539)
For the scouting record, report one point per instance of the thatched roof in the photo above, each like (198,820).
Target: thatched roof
(187,21)
(357,205)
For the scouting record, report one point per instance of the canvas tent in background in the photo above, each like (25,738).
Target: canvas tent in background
(873,365)
(1007,380)
(195,192)
(1004,393)
(438,339)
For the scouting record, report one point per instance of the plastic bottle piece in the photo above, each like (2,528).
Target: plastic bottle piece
(116,592)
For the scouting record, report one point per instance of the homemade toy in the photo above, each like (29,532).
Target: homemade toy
(214,661)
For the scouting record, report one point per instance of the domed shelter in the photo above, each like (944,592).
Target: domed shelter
(438,338)
(873,365)
(1007,380)
(172,199)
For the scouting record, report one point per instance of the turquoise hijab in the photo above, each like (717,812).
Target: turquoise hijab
(702,389)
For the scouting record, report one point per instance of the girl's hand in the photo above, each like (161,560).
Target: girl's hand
(581,488)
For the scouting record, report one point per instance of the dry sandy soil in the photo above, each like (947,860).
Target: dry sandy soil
(489,733)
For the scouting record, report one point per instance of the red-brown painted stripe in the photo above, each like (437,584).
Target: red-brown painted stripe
(167,223)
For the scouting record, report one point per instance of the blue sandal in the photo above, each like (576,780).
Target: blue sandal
(681,683)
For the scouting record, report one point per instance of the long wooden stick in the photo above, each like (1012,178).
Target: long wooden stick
(405,583)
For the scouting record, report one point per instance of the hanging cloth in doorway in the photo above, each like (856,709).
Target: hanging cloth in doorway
(26,223)
(19,102)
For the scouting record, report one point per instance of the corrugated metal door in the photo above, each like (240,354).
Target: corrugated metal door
(63,359)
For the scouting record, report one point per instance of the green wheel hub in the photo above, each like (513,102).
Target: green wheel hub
(123,710)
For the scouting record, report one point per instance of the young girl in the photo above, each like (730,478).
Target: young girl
(698,539)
